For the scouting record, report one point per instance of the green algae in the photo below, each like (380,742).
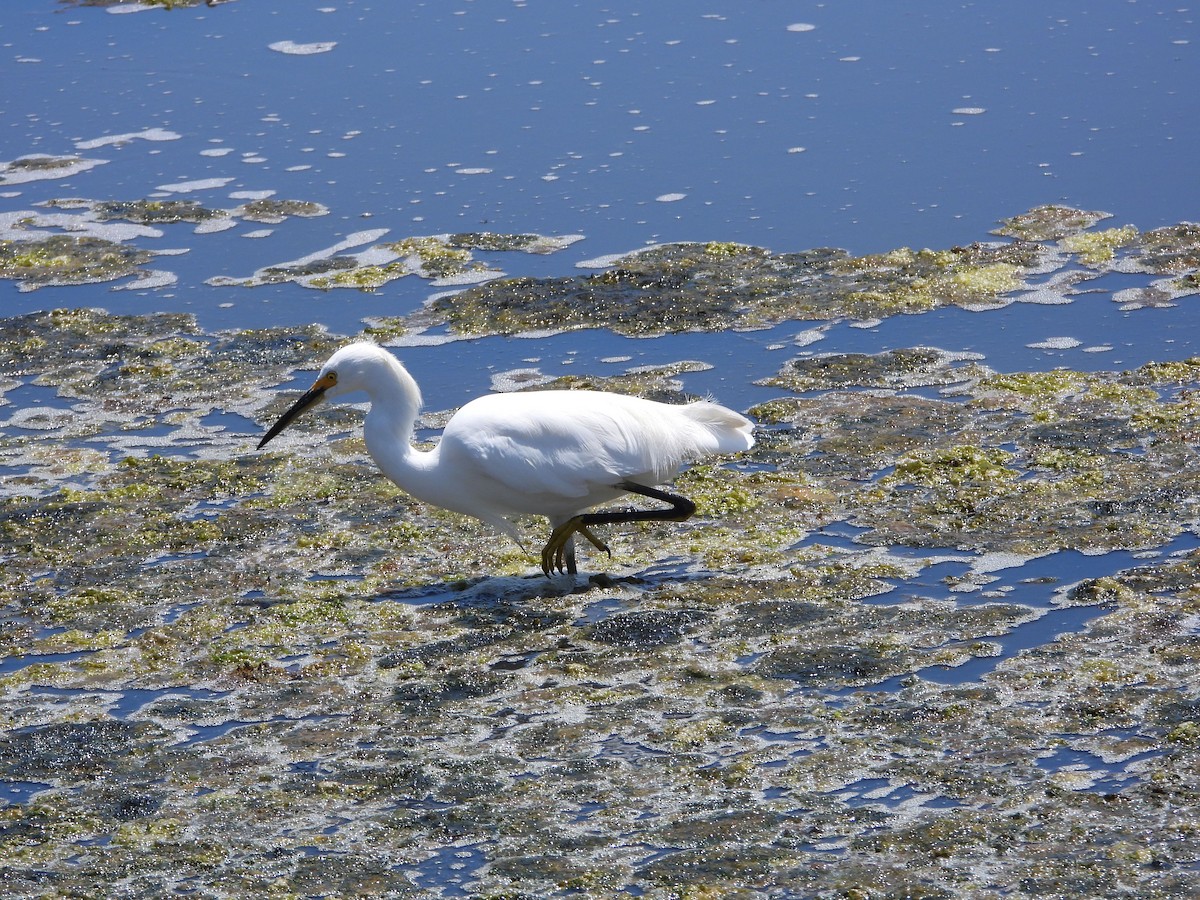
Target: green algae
(1050,222)
(383,329)
(955,467)
(61,259)
(702,287)
(37,167)
(365,278)
(436,257)
(273,211)
(133,363)
(510,243)
(1170,372)
(908,367)
(96,247)
(170,212)
(153,212)
(1096,247)
(692,286)
(908,281)
(1079,438)
(42,163)
(656,382)
(1170,250)
(274,673)
(441,258)
(716,492)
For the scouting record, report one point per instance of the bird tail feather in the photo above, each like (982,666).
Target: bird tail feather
(730,431)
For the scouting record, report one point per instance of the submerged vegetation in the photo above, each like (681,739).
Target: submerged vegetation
(690,287)
(68,259)
(235,672)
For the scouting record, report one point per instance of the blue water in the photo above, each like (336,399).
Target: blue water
(628,123)
(584,115)
(14,792)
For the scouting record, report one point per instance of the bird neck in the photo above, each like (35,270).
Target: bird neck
(388,429)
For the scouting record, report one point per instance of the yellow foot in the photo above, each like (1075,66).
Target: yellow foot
(555,556)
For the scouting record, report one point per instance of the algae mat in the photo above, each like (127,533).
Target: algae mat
(234,674)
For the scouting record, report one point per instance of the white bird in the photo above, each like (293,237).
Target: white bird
(551,453)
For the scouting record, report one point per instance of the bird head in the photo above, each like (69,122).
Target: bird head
(346,371)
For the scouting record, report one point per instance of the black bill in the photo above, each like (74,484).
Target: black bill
(311,397)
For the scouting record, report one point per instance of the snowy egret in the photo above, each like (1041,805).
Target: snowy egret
(549,453)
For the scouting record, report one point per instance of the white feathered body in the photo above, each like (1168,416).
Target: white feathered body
(557,453)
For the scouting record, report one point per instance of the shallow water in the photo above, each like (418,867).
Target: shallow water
(939,624)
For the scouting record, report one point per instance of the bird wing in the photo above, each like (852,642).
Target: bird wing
(567,443)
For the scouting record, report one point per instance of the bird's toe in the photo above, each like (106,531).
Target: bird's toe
(595,541)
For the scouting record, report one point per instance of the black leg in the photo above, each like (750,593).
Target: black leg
(560,549)
(569,556)
(681,508)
